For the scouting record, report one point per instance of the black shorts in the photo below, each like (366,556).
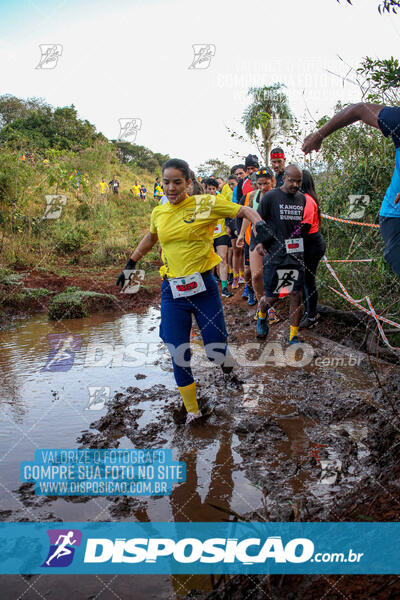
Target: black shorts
(246,254)
(390,231)
(222,240)
(275,282)
(231,223)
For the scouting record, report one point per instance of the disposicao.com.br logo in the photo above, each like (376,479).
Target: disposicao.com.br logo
(62,547)
(202,548)
(192,550)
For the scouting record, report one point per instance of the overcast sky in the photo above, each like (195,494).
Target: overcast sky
(130,59)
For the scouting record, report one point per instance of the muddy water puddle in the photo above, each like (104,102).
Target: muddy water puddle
(269,441)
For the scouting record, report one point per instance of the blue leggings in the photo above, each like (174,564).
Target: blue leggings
(176,324)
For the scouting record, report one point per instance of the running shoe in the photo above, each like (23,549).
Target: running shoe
(252,298)
(225,292)
(235,283)
(191,417)
(308,322)
(245,294)
(262,328)
(242,280)
(294,340)
(272,318)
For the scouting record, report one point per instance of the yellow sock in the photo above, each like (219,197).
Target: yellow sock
(241,273)
(293,331)
(262,315)
(230,270)
(236,275)
(188,393)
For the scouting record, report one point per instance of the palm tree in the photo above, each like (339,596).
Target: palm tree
(268,113)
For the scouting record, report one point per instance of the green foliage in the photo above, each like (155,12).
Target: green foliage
(45,127)
(140,156)
(382,79)
(69,240)
(214,168)
(75,303)
(356,160)
(267,114)
(12,108)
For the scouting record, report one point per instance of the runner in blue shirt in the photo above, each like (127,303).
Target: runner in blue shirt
(387,119)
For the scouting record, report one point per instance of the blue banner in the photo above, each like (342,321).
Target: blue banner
(111,472)
(192,548)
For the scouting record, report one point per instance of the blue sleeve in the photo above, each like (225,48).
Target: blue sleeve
(234,195)
(389,123)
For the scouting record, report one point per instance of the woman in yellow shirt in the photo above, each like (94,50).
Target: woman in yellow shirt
(184,227)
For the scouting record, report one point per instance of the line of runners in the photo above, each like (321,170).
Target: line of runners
(271,219)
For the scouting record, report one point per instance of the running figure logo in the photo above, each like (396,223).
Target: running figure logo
(204,205)
(287,278)
(133,280)
(128,128)
(62,351)
(62,547)
(54,206)
(203,54)
(50,55)
(98,396)
(358,204)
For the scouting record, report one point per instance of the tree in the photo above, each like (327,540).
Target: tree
(268,114)
(12,108)
(385,6)
(381,79)
(140,156)
(214,168)
(46,127)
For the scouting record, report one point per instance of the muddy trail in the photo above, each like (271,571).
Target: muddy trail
(309,442)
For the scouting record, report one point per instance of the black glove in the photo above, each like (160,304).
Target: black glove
(264,235)
(130,266)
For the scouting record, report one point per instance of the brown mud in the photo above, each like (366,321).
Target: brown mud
(311,443)
(17,303)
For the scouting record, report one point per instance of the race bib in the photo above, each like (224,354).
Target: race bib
(218,229)
(294,245)
(190,285)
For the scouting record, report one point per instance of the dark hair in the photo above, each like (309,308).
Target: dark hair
(177,163)
(308,187)
(264,172)
(197,187)
(277,151)
(233,177)
(236,167)
(211,181)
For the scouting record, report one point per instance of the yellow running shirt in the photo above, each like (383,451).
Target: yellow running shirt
(103,187)
(185,232)
(136,190)
(227,193)
(220,229)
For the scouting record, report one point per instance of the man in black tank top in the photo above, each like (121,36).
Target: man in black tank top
(283,264)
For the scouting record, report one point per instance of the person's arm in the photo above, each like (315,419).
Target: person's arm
(144,246)
(240,238)
(362,111)
(246,212)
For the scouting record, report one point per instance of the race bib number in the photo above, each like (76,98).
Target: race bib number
(294,245)
(218,229)
(190,285)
